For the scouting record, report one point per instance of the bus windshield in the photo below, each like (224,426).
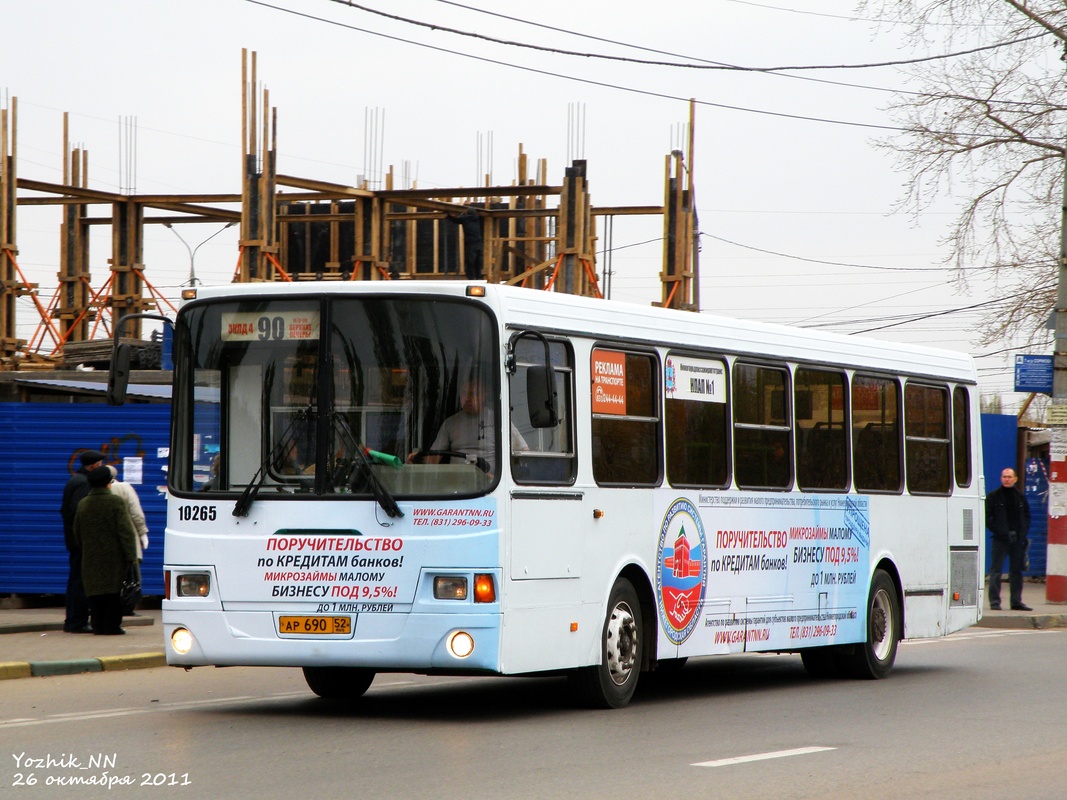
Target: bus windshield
(338,397)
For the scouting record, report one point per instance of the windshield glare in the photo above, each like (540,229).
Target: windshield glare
(330,397)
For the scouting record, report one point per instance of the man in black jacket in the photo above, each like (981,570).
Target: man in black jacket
(1007,515)
(77,487)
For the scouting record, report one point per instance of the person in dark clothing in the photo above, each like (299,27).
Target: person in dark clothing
(77,619)
(1007,515)
(470,222)
(104,532)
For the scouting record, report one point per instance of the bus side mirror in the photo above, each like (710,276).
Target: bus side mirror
(541,396)
(118,378)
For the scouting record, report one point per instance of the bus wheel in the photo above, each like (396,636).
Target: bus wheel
(611,683)
(874,658)
(338,683)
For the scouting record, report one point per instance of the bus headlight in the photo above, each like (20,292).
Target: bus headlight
(194,584)
(181,640)
(450,587)
(461,644)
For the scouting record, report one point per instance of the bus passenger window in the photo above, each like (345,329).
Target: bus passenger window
(696,416)
(961,436)
(625,424)
(875,434)
(763,453)
(821,440)
(548,455)
(926,439)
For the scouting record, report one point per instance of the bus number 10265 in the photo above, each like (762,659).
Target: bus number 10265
(196,513)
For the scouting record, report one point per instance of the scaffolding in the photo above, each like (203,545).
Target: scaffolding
(530,233)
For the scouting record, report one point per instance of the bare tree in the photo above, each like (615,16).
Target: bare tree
(988,128)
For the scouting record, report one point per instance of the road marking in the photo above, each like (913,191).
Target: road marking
(81,716)
(726,762)
(185,705)
(981,633)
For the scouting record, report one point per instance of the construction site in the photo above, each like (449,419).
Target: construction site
(534,233)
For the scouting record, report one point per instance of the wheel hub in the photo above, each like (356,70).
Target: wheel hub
(878,624)
(621,643)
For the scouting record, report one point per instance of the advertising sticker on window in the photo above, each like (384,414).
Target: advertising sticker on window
(697,379)
(609,382)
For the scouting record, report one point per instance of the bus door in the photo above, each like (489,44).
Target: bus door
(929,483)
(549,518)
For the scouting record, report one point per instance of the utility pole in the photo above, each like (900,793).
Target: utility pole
(1056,562)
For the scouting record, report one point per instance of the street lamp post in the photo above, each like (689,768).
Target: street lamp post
(192,250)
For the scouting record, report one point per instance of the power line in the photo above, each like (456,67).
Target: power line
(1007,350)
(837,263)
(849,19)
(705,63)
(590,82)
(802,322)
(630,89)
(943,313)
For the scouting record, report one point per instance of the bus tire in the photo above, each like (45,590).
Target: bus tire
(611,683)
(338,683)
(873,659)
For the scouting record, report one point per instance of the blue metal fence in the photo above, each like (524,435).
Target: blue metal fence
(1000,436)
(39,447)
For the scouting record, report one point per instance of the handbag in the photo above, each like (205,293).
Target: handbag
(130,594)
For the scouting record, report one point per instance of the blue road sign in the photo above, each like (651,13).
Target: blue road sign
(1033,374)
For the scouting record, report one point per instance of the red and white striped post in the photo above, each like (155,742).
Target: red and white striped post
(1056,561)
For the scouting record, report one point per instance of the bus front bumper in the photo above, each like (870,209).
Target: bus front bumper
(403,642)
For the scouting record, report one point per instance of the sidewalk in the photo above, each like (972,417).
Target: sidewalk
(1044,614)
(32,641)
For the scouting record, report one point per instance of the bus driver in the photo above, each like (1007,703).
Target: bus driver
(471,429)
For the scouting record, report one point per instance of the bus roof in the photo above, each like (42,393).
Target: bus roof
(634,323)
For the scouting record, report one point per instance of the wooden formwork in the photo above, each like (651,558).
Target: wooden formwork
(12,284)
(530,233)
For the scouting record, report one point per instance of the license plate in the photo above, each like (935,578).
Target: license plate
(315,625)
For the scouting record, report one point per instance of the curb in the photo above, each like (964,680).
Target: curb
(41,669)
(132,661)
(15,669)
(1021,622)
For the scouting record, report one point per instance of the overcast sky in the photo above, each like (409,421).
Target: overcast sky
(796,204)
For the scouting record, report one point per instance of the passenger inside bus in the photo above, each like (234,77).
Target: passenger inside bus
(292,463)
(212,483)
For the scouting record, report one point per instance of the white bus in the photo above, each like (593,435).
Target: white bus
(459,478)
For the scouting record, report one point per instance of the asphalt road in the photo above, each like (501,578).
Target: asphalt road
(976,715)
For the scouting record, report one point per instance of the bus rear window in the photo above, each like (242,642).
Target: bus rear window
(926,439)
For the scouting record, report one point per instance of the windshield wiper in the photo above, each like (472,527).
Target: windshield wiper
(284,445)
(362,460)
